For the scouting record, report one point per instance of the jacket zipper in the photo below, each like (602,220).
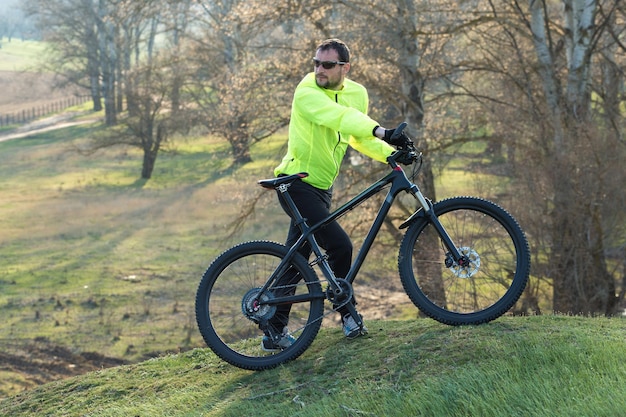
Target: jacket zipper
(337,145)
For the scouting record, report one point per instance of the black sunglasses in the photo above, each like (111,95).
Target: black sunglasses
(327,64)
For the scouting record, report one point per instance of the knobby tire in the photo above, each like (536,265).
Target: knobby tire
(225,328)
(480,293)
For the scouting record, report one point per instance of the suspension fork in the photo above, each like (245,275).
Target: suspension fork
(429,212)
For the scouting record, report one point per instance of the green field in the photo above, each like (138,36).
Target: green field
(98,260)
(19,55)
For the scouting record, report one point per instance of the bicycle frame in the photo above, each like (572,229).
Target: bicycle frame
(399,182)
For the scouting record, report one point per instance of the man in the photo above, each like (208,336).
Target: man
(329,112)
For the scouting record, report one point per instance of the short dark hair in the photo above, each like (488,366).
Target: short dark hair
(342,49)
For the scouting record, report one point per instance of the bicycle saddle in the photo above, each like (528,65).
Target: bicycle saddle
(286,179)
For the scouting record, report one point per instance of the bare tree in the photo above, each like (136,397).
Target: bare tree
(152,123)
(578,149)
(237,90)
(70,28)
(96,42)
(150,127)
(108,51)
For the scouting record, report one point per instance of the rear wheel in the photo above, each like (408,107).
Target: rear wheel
(231,285)
(484,288)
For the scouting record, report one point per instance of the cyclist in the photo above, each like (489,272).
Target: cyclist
(329,112)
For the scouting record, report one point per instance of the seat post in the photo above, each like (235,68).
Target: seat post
(300,221)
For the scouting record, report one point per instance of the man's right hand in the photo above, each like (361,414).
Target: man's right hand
(400,140)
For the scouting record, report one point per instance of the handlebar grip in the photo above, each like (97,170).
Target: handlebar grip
(398,131)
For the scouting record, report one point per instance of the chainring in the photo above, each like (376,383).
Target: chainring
(342,299)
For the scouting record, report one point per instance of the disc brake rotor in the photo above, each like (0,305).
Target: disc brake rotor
(470,267)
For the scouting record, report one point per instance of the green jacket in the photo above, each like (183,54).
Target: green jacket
(323,123)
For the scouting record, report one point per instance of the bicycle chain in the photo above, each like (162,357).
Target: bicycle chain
(333,310)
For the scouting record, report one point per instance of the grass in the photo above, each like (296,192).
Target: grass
(95,258)
(539,366)
(19,55)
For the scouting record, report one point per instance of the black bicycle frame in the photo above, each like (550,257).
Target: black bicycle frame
(399,182)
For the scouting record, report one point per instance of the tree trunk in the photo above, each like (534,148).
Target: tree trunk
(108,62)
(93,55)
(119,78)
(582,283)
(241,150)
(108,84)
(152,145)
(149,160)
(412,86)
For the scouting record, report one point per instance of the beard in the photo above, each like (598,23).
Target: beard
(327,83)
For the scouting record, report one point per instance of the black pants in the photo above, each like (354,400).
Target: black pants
(314,205)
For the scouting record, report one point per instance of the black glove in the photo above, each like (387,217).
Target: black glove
(397,141)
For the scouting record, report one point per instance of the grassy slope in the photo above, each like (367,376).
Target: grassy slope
(539,366)
(20,55)
(98,260)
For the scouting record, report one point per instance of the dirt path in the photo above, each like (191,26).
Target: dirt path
(44,125)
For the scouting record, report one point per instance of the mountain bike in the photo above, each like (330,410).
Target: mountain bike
(462,261)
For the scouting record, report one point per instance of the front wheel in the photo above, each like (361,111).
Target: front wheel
(484,288)
(230,318)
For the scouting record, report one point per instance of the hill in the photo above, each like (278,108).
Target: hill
(521,366)
(100,269)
